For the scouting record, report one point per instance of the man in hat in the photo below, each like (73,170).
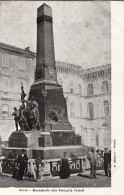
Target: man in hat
(92,157)
(22,161)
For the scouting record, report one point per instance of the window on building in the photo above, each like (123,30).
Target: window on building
(22,65)
(5,84)
(5,111)
(106,108)
(80,89)
(80,110)
(90,110)
(90,89)
(105,87)
(72,109)
(5,61)
(71,87)
(97,140)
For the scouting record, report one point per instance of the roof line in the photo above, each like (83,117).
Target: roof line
(7,46)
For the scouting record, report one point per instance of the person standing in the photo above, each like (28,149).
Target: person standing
(92,157)
(22,162)
(106,161)
(64,167)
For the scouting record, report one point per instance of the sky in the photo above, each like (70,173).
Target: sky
(82,29)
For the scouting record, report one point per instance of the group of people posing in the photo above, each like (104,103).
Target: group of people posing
(18,164)
(93,159)
(21,164)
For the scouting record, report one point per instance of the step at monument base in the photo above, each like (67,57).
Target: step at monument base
(53,152)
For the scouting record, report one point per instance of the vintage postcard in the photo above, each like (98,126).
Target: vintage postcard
(61,96)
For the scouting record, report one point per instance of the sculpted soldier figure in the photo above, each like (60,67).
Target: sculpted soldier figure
(34,116)
(23,122)
(34,102)
(23,94)
(16,117)
(28,115)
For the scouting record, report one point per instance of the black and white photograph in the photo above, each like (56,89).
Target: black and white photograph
(55,94)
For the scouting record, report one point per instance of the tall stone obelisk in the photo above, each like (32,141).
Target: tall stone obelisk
(45,63)
(45,89)
(55,128)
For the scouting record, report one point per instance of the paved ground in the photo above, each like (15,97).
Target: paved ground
(73,181)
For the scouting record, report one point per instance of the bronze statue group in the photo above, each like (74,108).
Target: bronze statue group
(27,116)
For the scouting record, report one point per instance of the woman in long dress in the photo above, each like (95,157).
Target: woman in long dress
(64,167)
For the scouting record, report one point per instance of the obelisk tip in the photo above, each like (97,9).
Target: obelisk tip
(44,9)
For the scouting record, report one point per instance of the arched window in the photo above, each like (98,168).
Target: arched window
(80,110)
(5,111)
(79,89)
(72,109)
(90,89)
(60,81)
(106,108)
(22,65)
(105,87)
(71,87)
(5,61)
(90,110)
(5,84)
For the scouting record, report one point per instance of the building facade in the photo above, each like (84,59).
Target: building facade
(15,68)
(87,92)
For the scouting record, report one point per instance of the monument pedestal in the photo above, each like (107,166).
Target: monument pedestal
(49,153)
(24,139)
(45,145)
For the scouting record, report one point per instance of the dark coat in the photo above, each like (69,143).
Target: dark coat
(22,161)
(64,168)
(107,158)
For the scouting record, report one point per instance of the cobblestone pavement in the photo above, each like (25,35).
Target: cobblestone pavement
(73,181)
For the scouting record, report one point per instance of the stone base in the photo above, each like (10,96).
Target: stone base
(57,152)
(24,139)
(47,145)
(65,138)
(45,140)
(53,152)
(34,139)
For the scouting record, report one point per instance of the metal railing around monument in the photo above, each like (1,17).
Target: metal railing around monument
(80,165)
(76,165)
